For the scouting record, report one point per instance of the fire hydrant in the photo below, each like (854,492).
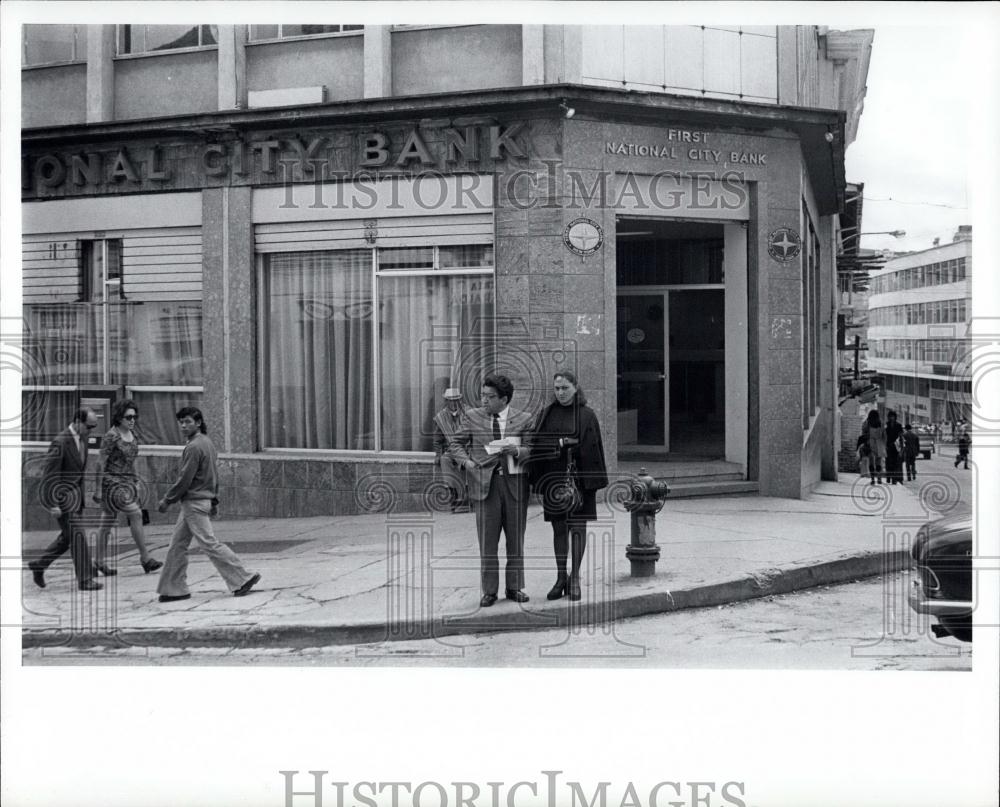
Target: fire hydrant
(646,499)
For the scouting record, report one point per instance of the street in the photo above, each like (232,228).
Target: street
(859,626)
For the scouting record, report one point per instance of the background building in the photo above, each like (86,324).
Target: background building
(918,320)
(312,231)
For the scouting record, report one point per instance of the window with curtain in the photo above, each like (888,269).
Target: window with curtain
(319,350)
(362,343)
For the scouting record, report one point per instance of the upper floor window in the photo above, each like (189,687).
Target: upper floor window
(49,44)
(150,38)
(258,32)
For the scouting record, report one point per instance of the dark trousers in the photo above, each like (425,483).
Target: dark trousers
(72,537)
(911,470)
(893,467)
(501,510)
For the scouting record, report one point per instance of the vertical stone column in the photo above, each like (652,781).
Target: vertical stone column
(229,303)
(781,329)
(572,54)
(788,69)
(100,73)
(532,54)
(378,61)
(562,47)
(232,67)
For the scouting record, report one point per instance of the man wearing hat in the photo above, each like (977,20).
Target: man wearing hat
(446,423)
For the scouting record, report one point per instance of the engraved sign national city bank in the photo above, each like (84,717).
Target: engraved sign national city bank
(680,144)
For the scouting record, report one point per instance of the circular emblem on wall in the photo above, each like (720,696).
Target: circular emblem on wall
(583,236)
(636,335)
(784,244)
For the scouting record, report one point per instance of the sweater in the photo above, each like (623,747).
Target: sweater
(197,478)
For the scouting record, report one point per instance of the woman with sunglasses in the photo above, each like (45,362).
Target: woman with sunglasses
(117,487)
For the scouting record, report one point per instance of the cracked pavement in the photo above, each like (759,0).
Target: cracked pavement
(418,569)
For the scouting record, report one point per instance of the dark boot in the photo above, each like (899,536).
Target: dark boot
(578,547)
(560,588)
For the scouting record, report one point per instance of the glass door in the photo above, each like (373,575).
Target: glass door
(642,371)
(696,370)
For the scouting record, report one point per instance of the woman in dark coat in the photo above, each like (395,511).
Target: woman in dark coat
(568,428)
(893,456)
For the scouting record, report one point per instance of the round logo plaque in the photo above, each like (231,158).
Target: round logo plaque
(583,236)
(784,244)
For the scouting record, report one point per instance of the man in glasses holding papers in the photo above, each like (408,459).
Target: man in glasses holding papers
(489,444)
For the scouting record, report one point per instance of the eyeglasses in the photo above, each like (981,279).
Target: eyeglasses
(129,417)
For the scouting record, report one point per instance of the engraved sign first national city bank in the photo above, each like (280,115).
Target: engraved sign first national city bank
(683,144)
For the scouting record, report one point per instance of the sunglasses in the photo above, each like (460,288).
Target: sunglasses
(129,417)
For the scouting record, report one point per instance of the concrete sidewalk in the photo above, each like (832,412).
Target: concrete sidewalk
(372,578)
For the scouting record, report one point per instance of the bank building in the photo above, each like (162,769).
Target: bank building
(312,231)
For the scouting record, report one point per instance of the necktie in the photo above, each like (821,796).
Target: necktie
(496,427)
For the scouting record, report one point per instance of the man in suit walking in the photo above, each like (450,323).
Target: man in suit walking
(61,492)
(498,487)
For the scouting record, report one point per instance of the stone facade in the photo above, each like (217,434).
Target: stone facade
(557,309)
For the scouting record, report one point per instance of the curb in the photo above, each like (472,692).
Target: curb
(762,584)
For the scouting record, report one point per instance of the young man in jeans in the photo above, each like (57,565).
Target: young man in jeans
(196,489)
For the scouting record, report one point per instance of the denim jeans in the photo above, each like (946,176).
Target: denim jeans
(194,522)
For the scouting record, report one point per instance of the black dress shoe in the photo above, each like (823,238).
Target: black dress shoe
(174,597)
(90,585)
(515,595)
(151,565)
(37,574)
(243,590)
(488,600)
(104,569)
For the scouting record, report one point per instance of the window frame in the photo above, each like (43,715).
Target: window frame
(111,292)
(296,37)
(77,58)
(119,34)
(263,329)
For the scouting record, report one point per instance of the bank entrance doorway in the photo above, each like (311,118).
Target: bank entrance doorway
(672,371)
(675,343)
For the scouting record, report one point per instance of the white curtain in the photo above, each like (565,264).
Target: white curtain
(320,384)
(430,338)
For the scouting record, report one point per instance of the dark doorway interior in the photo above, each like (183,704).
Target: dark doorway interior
(671,339)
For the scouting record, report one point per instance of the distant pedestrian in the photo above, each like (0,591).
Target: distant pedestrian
(911,447)
(567,468)
(446,423)
(864,456)
(893,452)
(61,492)
(117,489)
(196,489)
(874,434)
(964,445)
